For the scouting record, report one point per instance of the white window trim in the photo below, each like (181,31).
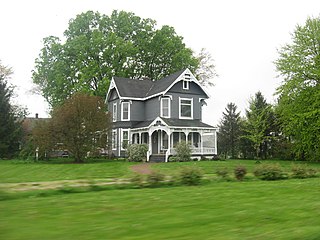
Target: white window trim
(114,139)
(182,117)
(122,119)
(185,84)
(114,112)
(169,107)
(124,130)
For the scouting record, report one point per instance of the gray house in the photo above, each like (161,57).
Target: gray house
(160,114)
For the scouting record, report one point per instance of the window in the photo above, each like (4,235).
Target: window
(125,113)
(165,107)
(125,139)
(185,85)
(165,140)
(114,112)
(186,108)
(114,139)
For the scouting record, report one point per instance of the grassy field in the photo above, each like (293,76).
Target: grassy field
(253,209)
(18,171)
(288,209)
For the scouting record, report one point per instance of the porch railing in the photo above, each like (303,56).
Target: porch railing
(196,151)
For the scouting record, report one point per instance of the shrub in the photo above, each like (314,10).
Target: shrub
(303,171)
(240,172)
(190,176)
(183,152)
(222,172)
(155,178)
(137,152)
(269,172)
(137,180)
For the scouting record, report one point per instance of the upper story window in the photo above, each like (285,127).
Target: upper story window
(186,108)
(114,112)
(185,85)
(125,111)
(165,107)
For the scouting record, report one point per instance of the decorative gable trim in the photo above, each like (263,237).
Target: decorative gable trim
(186,76)
(112,86)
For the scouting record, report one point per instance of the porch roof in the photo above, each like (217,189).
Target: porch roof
(194,123)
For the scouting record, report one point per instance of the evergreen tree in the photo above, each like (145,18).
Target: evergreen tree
(229,131)
(10,117)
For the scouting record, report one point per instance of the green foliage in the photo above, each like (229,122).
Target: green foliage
(137,180)
(98,47)
(299,94)
(240,172)
(269,171)
(229,132)
(190,176)
(259,126)
(183,152)
(155,178)
(303,171)
(222,172)
(137,152)
(11,117)
(77,124)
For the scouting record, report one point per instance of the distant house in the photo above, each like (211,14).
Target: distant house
(160,114)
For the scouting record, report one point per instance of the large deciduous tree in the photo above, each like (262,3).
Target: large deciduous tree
(11,116)
(229,131)
(98,47)
(299,93)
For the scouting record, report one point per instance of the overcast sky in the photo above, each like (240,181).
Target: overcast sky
(242,37)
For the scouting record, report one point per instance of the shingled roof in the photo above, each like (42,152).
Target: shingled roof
(136,88)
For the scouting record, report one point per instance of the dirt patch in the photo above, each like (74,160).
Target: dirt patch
(144,168)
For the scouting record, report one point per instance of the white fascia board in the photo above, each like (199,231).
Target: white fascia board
(193,79)
(112,85)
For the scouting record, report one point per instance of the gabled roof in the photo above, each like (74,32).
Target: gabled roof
(143,89)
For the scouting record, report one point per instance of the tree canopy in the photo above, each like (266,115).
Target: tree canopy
(11,116)
(98,47)
(259,124)
(299,93)
(80,124)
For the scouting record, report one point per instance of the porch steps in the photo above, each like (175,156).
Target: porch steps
(156,158)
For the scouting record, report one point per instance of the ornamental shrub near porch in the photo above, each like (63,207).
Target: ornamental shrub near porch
(137,152)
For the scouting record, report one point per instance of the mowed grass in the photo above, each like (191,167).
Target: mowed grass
(18,171)
(288,209)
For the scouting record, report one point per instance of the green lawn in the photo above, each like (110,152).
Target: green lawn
(288,209)
(18,171)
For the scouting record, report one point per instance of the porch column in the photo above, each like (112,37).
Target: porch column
(150,144)
(140,141)
(215,142)
(201,142)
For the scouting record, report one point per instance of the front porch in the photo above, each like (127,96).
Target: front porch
(162,139)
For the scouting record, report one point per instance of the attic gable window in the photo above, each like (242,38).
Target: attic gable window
(125,111)
(165,107)
(185,85)
(185,82)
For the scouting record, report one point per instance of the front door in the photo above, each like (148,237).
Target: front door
(155,145)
